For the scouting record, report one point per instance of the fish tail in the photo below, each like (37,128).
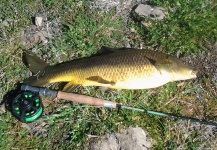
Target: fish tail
(35,81)
(37,67)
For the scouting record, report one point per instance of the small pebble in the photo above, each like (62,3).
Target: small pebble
(38,21)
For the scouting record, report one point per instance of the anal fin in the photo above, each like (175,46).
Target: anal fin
(70,87)
(103,89)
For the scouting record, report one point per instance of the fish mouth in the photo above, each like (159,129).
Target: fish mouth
(194,73)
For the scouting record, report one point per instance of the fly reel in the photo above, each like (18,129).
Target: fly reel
(27,106)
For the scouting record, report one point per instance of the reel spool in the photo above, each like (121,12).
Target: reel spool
(27,107)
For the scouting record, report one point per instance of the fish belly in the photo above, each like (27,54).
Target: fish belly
(143,83)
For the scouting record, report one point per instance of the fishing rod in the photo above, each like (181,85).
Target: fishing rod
(27,106)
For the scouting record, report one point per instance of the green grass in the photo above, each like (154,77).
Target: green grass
(191,29)
(188,28)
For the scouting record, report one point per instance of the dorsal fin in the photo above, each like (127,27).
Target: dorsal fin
(108,50)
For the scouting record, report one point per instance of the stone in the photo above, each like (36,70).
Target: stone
(155,13)
(129,139)
(38,21)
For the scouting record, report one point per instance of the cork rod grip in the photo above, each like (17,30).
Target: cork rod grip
(86,99)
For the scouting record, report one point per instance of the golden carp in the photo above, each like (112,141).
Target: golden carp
(120,69)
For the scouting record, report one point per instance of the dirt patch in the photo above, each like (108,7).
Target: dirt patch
(206,65)
(41,30)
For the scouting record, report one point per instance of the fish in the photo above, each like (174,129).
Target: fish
(125,68)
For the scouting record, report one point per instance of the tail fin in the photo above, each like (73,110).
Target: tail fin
(37,66)
(34,63)
(36,81)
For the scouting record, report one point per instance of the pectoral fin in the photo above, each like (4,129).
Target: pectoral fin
(99,79)
(160,64)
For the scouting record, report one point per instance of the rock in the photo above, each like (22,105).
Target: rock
(155,13)
(43,36)
(104,5)
(121,7)
(129,139)
(38,21)
(2,108)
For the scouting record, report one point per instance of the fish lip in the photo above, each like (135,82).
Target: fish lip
(194,73)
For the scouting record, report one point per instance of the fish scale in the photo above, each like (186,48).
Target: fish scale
(121,69)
